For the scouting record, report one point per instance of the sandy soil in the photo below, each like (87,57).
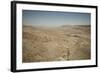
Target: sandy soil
(56,44)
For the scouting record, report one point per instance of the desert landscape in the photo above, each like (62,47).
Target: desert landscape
(64,43)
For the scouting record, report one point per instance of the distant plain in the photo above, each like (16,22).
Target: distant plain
(64,43)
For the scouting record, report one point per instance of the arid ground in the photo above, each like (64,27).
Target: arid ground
(56,44)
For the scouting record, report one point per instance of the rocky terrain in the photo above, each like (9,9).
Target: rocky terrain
(56,44)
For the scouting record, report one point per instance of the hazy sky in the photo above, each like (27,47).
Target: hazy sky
(54,18)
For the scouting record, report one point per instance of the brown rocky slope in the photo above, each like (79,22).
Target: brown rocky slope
(56,44)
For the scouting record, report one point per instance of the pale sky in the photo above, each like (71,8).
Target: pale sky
(54,18)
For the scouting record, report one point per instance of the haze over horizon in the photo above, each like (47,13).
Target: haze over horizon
(54,18)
